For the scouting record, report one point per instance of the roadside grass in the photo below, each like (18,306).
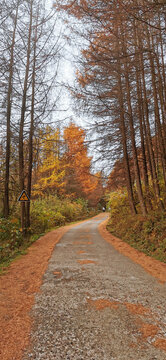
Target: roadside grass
(46,215)
(147,235)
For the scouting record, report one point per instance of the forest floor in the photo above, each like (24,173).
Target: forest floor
(94,302)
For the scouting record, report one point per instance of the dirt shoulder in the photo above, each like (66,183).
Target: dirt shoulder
(154,267)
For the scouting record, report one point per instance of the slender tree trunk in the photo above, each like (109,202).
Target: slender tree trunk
(23,109)
(148,132)
(31,133)
(156,109)
(8,132)
(162,62)
(140,116)
(147,149)
(161,96)
(132,132)
(123,134)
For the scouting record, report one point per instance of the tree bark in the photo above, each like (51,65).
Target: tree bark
(31,132)
(8,131)
(140,115)
(132,132)
(155,181)
(22,120)
(123,134)
(156,109)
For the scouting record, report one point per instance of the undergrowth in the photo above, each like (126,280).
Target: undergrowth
(146,234)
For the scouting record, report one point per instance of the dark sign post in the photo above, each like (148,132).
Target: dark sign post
(22,199)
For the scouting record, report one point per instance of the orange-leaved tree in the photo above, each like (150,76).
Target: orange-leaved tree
(79,180)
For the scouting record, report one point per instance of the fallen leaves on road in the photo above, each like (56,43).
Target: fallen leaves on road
(82,242)
(17,291)
(156,268)
(101,304)
(160,343)
(147,330)
(58,274)
(24,277)
(137,309)
(82,262)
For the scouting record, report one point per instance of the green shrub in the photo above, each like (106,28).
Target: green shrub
(51,211)
(118,202)
(68,211)
(148,226)
(11,237)
(59,219)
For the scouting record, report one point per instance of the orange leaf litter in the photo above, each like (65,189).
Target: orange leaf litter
(137,309)
(82,262)
(101,304)
(82,242)
(160,343)
(149,330)
(58,274)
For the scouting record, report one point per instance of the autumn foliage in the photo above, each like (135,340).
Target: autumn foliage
(121,83)
(63,167)
(79,179)
(49,170)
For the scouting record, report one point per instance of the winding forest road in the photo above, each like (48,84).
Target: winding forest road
(96,304)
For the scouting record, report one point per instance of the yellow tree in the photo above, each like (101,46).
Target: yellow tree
(50,170)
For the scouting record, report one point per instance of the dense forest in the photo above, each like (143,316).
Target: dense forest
(121,81)
(120,86)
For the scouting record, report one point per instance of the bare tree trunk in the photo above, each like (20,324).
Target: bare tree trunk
(161,95)
(147,149)
(8,132)
(23,109)
(157,114)
(148,132)
(132,132)
(31,133)
(140,116)
(163,62)
(123,133)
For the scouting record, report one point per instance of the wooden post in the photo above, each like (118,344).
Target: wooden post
(23,216)
(23,198)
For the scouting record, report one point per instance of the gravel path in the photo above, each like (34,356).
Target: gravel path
(96,304)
